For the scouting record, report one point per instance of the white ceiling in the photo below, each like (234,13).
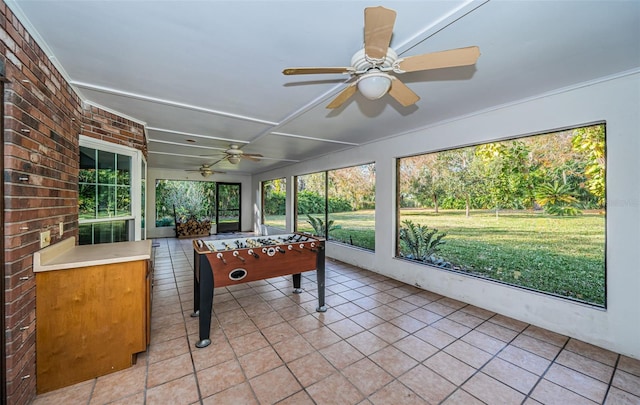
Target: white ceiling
(211,71)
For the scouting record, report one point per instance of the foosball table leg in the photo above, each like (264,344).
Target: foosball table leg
(196,285)
(320,276)
(206,301)
(297,283)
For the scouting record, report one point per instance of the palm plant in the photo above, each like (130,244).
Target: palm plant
(418,242)
(319,228)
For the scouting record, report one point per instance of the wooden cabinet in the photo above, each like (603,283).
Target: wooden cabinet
(90,321)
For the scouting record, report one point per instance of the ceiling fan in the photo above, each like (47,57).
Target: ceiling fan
(371,66)
(205,170)
(234,154)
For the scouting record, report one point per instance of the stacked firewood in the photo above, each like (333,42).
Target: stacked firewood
(192,227)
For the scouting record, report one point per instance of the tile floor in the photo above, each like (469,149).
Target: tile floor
(380,342)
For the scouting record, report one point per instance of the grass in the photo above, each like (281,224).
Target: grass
(564,256)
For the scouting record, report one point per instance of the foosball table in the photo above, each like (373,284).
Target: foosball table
(226,262)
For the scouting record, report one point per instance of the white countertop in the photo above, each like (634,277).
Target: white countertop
(66,255)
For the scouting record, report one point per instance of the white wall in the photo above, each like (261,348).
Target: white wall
(614,100)
(246,215)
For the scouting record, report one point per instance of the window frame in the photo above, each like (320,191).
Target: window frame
(138,172)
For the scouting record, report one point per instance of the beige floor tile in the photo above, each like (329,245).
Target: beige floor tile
(492,391)
(462,397)
(435,337)
(465,319)
(167,349)
(478,312)
(408,323)
(367,320)
(335,389)
(619,397)
(248,343)
(260,361)
(577,382)
(299,398)
(311,368)
(547,392)
(497,331)
(74,394)
(238,394)
(425,316)
(341,354)
(449,367)
(524,359)
(508,322)
(631,366)
(394,361)
(416,348)
(430,386)
(510,374)
(345,328)
(182,391)
(593,352)
(367,376)
(117,385)
(367,343)
(467,353)
(585,365)
(396,393)
(319,338)
(211,355)
(220,377)
(169,369)
(536,346)
(388,332)
(627,382)
(484,342)
(274,385)
(546,335)
(293,348)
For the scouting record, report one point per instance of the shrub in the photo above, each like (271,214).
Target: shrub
(418,242)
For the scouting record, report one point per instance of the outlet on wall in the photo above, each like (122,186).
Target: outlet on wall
(45,239)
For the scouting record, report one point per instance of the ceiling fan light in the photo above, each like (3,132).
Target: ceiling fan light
(234,160)
(374,85)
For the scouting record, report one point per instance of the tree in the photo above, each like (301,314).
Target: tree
(591,142)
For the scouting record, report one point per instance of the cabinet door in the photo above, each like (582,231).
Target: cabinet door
(90,321)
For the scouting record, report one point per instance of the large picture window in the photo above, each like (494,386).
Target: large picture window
(339,205)
(529,212)
(274,207)
(108,209)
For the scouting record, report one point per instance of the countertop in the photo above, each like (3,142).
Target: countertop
(66,255)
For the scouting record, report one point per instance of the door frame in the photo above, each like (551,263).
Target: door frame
(220,227)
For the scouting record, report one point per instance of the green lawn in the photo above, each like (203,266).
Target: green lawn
(558,255)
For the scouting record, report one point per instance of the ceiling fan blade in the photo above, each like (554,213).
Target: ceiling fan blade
(402,93)
(378,27)
(442,59)
(343,96)
(316,70)
(253,154)
(253,158)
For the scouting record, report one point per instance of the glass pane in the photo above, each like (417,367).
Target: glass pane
(106,167)
(123,201)
(352,205)
(85,234)
(274,195)
(124,169)
(120,231)
(87,172)
(87,201)
(106,201)
(311,207)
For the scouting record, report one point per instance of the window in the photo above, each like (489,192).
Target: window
(184,199)
(108,208)
(342,200)
(274,207)
(352,204)
(311,206)
(529,212)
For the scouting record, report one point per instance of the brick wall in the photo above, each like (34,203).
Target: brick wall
(112,128)
(43,117)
